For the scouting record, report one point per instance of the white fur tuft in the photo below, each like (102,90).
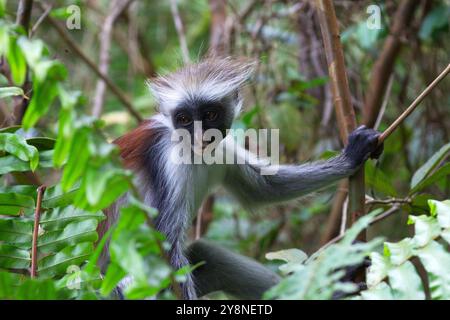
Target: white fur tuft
(211,79)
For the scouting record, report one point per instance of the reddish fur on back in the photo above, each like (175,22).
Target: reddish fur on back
(134,144)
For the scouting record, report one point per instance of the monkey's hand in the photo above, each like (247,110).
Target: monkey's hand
(362,144)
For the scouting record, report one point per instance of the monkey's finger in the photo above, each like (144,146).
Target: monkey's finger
(378,151)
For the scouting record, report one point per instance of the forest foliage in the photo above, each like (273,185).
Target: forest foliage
(49,135)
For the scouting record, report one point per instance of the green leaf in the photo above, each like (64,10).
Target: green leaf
(13,257)
(17,146)
(103,187)
(58,264)
(426,229)
(59,218)
(65,136)
(436,261)
(41,143)
(10,129)
(11,163)
(36,289)
(14,203)
(78,158)
(405,282)
(113,276)
(399,252)
(43,95)
(378,270)
(379,292)
(16,231)
(441,209)
(32,50)
(434,177)
(10,92)
(2,8)
(73,233)
(16,62)
(429,166)
(293,257)
(437,19)
(55,197)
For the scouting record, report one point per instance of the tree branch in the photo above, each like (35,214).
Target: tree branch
(37,217)
(413,105)
(117,7)
(72,44)
(180,30)
(24,14)
(342,99)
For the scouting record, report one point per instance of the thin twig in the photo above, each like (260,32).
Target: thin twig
(180,30)
(385,214)
(389,201)
(37,217)
(378,218)
(342,99)
(40,20)
(24,14)
(72,44)
(117,7)
(385,102)
(344,215)
(413,105)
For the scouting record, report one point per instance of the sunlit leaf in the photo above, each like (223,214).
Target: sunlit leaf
(426,168)
(10,92)
(17,146)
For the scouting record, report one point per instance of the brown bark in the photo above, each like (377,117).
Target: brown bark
(218,42)
(342,99)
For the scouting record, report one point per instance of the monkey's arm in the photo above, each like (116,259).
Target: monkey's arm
(291,181)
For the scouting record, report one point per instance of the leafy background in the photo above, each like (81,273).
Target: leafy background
(49,134)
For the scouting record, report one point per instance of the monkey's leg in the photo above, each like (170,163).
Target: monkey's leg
(224,270)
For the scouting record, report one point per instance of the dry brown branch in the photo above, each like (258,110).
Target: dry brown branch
(334,219)
(40,20)
(24,14)
(218,37)
(117,7)
(37,217)
(414,104)
(385,63)
(72,44)
(342,99)
(180,30)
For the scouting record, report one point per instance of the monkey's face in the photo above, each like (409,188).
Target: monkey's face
(199,116)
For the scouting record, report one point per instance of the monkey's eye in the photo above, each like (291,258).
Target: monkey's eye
(184,120)
(211,115)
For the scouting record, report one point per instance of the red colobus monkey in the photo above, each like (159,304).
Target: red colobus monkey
(209,92)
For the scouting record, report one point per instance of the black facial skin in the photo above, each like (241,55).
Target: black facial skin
(212,114)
